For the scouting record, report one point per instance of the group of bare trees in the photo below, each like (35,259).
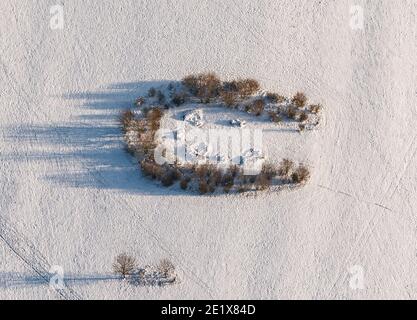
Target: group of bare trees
(126,267)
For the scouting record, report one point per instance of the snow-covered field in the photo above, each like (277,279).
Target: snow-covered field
(70,196)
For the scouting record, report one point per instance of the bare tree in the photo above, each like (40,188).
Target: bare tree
(124,265)
(166,267)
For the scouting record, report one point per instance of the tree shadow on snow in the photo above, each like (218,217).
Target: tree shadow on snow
(25,280)
(89,151)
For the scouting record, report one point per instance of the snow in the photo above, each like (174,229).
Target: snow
(72,197)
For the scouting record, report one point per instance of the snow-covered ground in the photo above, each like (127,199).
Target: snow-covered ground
(70,196)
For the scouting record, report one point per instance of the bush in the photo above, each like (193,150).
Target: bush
(184,184)
(179,99)
(151,92)
(300,175)
(301,127)
(285,167)
(247,87)
(315,108)
(299,100)
(291,113)
(168,178)
(275,117)
(303,117)
(205,85)
(269,170)
(275,97)
(125,119)
(203,186)
(229,98)
(166,268)
(124,265)
(257,107)
(262,182)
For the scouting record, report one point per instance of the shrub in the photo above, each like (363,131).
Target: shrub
(191,83)
(125,119)
(124,265)
(291,113)
(166,268)
(229,98)
(231,86)
(184,184)
(300,175)
(262,182)
(315,108)
(205,85)
(203,186)
(243,187)
(275,117)
(299,100)
(258,107)
(285,167)
(301,127)
(168,178)
(303,117)
(247,87)
(269,170)
(151,92)
(179,99)
(234,171)
(275,97)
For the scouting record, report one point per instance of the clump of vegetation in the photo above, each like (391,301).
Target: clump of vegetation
(124,265)
(229,98)
(315,108)
(275,97)
(291,112)
(303,117)
(300,175)
(247,87)
(299,100)
(179,98)
(285,168)
(257,107)
(275,117)
(166,268)
(125,119)
(205,85)
(184,183)
(203,186)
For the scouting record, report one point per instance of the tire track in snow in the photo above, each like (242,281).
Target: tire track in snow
(27,252)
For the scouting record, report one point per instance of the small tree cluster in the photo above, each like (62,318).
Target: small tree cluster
(204,85)
(257,107)
(274,97)
(315,108)
(275,117)
(300,175)
(299,100)
(126,117)
(229,98)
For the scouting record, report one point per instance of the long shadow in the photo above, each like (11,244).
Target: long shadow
(24,280)
(93,140)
